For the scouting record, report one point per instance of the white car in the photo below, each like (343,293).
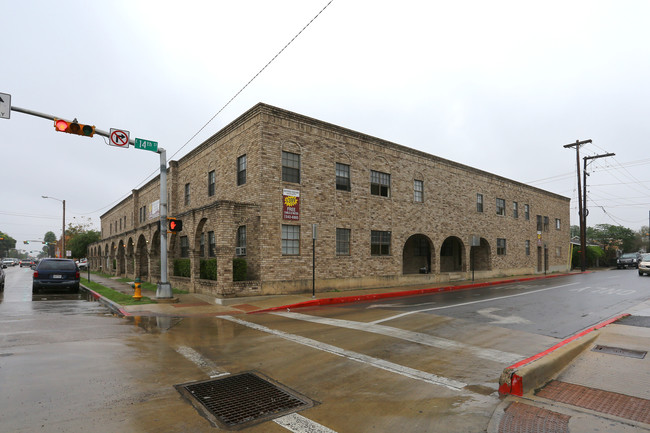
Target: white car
(644,264)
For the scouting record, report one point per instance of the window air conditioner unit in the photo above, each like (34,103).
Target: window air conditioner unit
(240,251)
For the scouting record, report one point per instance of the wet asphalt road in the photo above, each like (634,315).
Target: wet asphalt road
(414,364)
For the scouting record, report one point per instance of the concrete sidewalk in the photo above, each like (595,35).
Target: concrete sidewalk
(599,382)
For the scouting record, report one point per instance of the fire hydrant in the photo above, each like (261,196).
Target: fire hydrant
(137,295)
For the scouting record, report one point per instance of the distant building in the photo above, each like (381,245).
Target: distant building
(387,215)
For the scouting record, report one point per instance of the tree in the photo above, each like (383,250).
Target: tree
(6,243)
(78,237)
(50,240)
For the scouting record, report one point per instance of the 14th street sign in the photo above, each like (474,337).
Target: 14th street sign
(146,144)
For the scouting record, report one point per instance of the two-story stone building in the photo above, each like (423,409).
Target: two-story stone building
(386,215)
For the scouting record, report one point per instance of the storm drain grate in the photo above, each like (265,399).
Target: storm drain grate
(242,400)
(623,406)
(520,417)
(619,351)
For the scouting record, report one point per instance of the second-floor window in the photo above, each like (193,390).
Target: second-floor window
(342,177)
(418,191)
(212,180)
(515,209)
(241,170)
(290,167)
(379,183)
(479,202)
(187,194)
(501,207)
(526,212)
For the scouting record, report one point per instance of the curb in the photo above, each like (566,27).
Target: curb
(377,296)
(534,372)
(114,307)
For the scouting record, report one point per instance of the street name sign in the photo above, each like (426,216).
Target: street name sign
(5,105)
(143,144)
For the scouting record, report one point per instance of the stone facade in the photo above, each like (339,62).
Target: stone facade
(403,216)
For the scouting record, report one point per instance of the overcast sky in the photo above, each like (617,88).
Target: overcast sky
(501,86)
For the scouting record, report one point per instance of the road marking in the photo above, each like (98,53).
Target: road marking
(415,337)
(200,361)
(293,422)
(354,356)
(299,424)
(408,313)
(503,320)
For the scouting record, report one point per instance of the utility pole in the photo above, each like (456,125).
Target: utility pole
(585,211)
(583,229)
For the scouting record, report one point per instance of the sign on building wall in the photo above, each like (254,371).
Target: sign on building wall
(154,209)
(291,204)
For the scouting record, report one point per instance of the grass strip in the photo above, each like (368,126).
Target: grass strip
(114,295)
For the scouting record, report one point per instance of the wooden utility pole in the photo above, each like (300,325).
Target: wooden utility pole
(583,229)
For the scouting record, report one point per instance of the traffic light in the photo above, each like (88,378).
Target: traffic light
(26,242)
(74,127)
(174,225)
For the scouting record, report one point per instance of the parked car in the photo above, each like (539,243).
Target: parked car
(627,260)
(7,262)
(60,274)
(2,277)
(26,262)
(644,264)
(83,264)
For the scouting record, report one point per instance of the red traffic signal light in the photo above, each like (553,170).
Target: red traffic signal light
(175,225)
(74,128)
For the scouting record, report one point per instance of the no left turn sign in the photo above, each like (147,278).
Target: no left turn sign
(119,138)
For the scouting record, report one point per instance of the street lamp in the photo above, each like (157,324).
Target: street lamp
(63,235)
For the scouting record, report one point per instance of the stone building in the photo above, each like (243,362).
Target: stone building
(386,215)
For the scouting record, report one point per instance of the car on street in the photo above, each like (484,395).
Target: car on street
(7,262)
(644,264)
(26,262)
(627,260)
(83,264)
(2,277)
(57,274)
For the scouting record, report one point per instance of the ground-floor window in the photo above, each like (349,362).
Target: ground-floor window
(527,248)
(501,247)
(379,243)
(212,245)
(185,246)
(290,240)
(342,242)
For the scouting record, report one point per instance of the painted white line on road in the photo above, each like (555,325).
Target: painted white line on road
(354,356)
(415,337)
(408,313)
(200,361)
(299,424)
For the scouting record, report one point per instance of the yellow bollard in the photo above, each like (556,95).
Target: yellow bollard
(137,295)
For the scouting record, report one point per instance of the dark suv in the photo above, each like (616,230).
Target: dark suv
(56,274)
(628,260)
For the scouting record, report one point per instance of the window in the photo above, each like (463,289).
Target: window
(515,209)
(379,183)
(479,202)
(527,248)
(342,177)
(379,243)
(290,240)
(185,246)
(501,207)
(241,236)
(558,251)
(526,212)
(501,247)
(545,223)
(187,194)
(241,170)
(421,247)
(342,242)
(212,245)
(539,223)
(211,183)
(557,224)
(290,167)
(418,191)
(202,245)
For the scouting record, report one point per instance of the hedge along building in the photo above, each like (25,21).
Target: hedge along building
(387,215)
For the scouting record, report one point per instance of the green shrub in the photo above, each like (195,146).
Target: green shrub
(239,270)
(208,269)
(182,268)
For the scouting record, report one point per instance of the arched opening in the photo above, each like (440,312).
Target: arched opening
(479,257)
(142,259)
(452,255)
(416,256)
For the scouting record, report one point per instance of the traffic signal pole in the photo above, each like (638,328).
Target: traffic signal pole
(164,291)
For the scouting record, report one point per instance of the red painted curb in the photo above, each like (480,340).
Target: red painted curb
(515,387)
(376,296)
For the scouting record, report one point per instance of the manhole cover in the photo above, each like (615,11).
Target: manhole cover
(619,351)
(239,401)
